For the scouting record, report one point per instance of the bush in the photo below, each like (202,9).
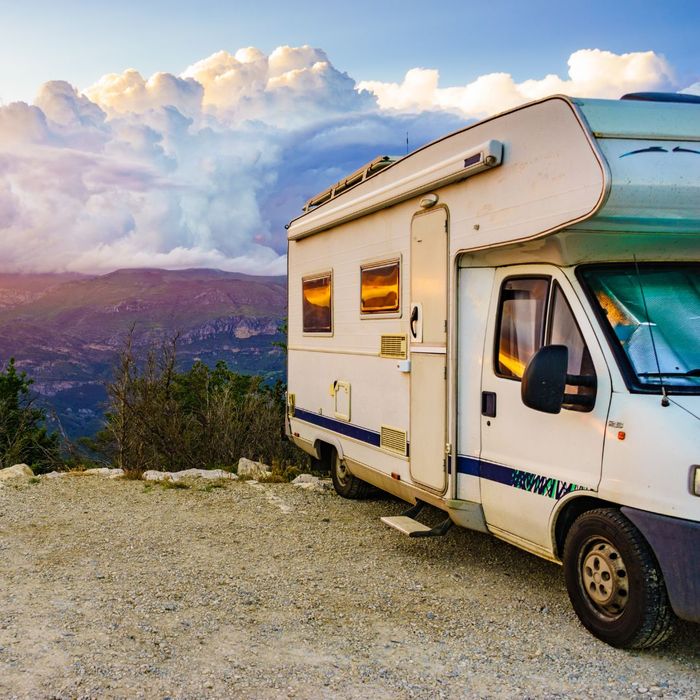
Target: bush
(23,435)
(162,418)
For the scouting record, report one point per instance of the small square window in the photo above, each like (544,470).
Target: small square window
(317,306)
(380,284)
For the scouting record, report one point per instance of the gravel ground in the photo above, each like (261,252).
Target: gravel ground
(118,589)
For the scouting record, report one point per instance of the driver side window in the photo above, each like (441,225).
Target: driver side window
(532,313)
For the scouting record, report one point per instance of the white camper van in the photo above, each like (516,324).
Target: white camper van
(505,324)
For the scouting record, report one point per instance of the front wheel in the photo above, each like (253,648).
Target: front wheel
(614,582)
(345,484)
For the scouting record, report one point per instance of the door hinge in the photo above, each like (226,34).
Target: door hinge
(445,377)
(448,448)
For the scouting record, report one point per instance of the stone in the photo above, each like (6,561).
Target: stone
(306,479)
(16,471)
(203,474)
(251,469)
(154,475)
(312,483)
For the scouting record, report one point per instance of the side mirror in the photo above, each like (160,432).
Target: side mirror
(544,379)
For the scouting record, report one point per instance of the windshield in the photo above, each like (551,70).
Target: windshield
(653,311)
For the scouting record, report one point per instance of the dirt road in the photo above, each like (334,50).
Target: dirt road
(118,589)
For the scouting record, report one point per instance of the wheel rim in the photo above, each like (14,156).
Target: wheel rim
(603,577)
(341,472)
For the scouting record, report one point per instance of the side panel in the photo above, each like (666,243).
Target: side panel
(343,390)
(474,295)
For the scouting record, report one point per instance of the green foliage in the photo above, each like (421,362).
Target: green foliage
(23,435)
(162,418)
(283,328)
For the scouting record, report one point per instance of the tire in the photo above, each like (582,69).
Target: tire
(345,484)
(614,581)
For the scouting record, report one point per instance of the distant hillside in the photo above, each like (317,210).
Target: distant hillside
(65,331)
(16,288)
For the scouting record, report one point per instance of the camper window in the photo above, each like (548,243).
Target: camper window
(379,287)
(317,303)
(520,324)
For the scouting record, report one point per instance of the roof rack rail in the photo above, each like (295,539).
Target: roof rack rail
(662,97)
(355,178)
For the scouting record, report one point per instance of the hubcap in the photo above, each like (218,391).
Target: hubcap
(604,577)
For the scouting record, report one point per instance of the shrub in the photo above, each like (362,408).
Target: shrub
(162,418)
(23,435)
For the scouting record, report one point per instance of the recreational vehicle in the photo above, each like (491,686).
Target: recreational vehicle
(505,325)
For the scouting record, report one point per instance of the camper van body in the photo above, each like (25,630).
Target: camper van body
(419,292)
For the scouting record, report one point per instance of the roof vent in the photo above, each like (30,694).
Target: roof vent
(662,97)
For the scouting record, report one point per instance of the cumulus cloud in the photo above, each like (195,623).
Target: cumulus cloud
(205,168)
(592,73)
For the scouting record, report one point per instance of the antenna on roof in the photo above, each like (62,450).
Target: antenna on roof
(407,142)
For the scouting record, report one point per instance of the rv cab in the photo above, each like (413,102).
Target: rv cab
(505,325)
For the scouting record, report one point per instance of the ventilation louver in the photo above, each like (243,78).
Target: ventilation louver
(393,346)
(393,440)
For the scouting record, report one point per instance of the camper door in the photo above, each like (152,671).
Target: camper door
(428,338)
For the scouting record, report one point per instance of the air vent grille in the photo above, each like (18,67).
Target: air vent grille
(393,346)
(392,439)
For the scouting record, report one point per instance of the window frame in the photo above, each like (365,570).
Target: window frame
(379,262)
(309,278)
(499,316)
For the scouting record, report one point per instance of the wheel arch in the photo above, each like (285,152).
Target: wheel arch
(568,511)
(324,445)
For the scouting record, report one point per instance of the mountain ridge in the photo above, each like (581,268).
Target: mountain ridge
(66,332)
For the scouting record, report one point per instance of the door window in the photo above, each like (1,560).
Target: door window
(520,323)
(523,325)
(563,330)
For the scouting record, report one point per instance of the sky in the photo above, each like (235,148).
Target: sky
(180,134)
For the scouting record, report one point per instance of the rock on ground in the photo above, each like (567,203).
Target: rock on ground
(252,470)
(153,475)
(312,483)
(16,471)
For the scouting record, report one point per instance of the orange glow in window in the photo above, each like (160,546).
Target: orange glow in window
(380,288)
(317,309)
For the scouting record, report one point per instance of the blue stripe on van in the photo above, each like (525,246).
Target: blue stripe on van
(470,466)
(354,431)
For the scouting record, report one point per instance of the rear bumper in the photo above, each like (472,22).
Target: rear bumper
(676,544)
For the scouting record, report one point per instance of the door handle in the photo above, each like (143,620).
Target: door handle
(488,404)
(414,320)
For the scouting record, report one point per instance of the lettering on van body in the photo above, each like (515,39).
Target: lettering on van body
(544,485)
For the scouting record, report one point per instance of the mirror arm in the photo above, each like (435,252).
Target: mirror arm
(579,400)
(581,380)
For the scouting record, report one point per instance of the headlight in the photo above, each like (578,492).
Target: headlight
(695,480)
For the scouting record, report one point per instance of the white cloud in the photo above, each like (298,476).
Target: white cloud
(205,168)
(693,89)
(592,73)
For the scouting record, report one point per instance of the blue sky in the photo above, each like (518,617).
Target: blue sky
(79,41)
(201,154)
